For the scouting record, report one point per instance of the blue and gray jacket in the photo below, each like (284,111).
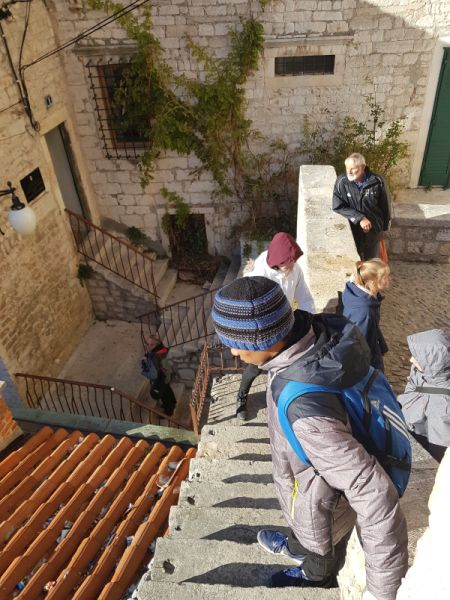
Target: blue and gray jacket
(344,483)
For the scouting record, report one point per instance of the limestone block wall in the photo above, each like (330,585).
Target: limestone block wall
(381,47)
(113,301)
(9,430)
(424,240)
(324,236)
(44,309)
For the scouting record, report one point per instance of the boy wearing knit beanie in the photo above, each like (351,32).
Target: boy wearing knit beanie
(342,483)
(278,263)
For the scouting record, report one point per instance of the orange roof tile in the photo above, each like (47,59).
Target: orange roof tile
(79,513)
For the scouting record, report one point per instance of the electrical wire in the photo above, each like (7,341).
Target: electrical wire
(27,106)
(20,78)
(24,34)
(106,21)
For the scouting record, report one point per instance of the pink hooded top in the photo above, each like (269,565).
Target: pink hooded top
(282,249)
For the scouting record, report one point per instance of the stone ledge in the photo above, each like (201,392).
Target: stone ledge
(30,417)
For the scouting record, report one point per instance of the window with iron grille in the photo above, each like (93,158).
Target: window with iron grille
(118,141)
(322,64)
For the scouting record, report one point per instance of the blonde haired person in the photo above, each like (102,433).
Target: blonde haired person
(361,300)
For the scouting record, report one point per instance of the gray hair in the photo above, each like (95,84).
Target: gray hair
(356,158)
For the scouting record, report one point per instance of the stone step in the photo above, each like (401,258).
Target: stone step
(165,285)
(231,275)
(189,312)
(233,270)
(221,449)
(220,276)
(149,590)
(235,434)
(224,411)
(215,563)
(231,471)
(228,495)
(239,525)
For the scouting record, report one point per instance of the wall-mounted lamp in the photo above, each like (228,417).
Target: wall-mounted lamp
(21,217)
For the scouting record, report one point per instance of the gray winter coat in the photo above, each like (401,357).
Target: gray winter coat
(345,484)
(429,414)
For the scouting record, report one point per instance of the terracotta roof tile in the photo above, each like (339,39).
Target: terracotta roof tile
(78,508)
(13,459)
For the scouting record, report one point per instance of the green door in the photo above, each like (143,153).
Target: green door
(436,162)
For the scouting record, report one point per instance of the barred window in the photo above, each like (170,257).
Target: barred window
(322,64)
(118,141)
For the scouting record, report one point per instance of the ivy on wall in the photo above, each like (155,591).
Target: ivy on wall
(205,116)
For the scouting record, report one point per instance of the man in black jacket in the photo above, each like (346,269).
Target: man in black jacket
(362,197)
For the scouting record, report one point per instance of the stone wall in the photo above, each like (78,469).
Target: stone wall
(9,430)
(427,577)
(382,47)
(420,239)
(44,308)
(112,300)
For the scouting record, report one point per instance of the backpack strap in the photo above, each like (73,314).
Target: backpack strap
(432,390)
(365,394)
(291,391)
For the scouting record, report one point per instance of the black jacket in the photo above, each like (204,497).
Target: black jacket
(364,311)
(371,201)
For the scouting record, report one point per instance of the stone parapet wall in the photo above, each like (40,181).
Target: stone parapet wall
(324,236)
(428,576)
(419,240)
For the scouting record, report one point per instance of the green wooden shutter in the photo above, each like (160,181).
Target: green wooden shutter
(436,162)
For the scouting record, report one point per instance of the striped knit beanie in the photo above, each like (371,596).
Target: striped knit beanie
(252,313)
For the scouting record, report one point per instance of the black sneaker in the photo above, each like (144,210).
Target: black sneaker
(241,407)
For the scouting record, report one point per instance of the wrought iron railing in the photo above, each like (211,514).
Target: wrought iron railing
(81,398)
(180,323)
(214,360)
(113,254)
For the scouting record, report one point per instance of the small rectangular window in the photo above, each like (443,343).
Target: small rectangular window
(322,64)
(32,185)
(119,141)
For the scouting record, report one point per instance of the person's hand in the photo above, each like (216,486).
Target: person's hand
(366,225)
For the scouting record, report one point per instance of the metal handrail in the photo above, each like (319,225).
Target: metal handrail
(184,321)
(214,359)
(90,399)
(123,259)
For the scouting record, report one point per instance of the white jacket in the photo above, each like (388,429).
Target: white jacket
(293,283)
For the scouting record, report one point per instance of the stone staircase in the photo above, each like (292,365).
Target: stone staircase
(211,551)
(184,357)
(131,270)
(193,314)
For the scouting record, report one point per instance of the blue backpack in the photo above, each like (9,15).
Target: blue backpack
(375,417)
(148,367)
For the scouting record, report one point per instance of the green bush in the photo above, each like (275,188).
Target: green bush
(379,142)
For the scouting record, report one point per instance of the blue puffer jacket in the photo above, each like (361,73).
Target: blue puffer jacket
(364,311)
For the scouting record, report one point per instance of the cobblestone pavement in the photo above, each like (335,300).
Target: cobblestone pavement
(418,299)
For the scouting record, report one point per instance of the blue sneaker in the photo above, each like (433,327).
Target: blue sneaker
(276,542)
(295,577)
(292,577)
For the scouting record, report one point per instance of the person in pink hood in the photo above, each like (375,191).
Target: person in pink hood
(278,263)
